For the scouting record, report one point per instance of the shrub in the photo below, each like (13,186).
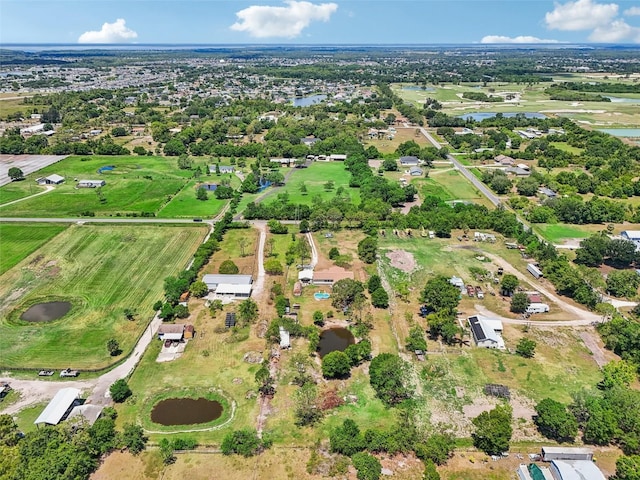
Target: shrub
(228,268)
(120,391)
(367,465)
(335,365)
(242,442)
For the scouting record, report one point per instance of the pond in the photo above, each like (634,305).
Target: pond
(479,116)
(623,99)
(334,339)
(46,312)
(306,101)
(622,132)
(418,88)
(185,411)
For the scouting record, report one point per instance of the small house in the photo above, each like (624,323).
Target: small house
(309,141)
(53,179)
(337,157)
(91,183)
(487,332)
(415,171)
(409,161)
(221,168)
(305,276)
(171,331)
(330,276)
(547,192)
(504,160)
(632,236)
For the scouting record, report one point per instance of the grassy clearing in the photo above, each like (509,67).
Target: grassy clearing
(16,190)
(567,148)
(136,184)
(185,203)
(11,106)
(386,146)
(20,240)
(448,185)
(315,178)
(559,232)
(102,270)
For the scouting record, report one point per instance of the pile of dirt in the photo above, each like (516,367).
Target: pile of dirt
(402,260)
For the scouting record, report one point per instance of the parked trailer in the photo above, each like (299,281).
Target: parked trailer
(534,270)
(537,308)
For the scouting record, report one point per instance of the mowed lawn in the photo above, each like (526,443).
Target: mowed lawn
(448,185)
(136,184)
(17,241)
(314,178)
(101,270)
(557,232)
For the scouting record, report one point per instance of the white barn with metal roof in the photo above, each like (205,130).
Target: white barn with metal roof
(59,405)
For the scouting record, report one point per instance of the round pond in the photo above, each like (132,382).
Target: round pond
(46,312)
(334,339)
(185,411)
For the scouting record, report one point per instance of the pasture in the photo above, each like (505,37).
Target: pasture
(185,203)
(314,179)
(17,241)
(134,185)
(101,270)
(448,184)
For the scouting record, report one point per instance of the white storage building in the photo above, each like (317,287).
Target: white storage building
(58,407)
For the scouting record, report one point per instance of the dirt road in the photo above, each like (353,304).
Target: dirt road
(314,250)
(258,285)
(38,391)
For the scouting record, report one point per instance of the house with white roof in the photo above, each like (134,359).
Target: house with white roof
(487,332)
(59,406)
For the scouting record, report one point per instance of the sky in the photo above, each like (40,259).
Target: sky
(319,21)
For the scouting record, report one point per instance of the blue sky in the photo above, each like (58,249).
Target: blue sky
(319,21)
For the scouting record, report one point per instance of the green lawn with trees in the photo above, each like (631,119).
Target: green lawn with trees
(102,271)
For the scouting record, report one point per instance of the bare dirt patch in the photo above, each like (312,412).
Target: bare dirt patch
(402,260)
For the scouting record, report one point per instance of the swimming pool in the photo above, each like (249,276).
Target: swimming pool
(321,295)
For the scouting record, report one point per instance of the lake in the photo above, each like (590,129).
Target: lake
(306,101)
(479,116)
(623,99)
(622,132)
(418,88)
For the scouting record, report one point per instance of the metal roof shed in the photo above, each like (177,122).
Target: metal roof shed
(58,406)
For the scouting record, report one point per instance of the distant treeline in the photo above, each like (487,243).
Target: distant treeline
(602,87)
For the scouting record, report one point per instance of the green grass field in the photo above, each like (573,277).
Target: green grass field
(314,179)
(558,232)
(185,203)
(136,184)
(16,190)
(101,270)
(448,185)
(17,241)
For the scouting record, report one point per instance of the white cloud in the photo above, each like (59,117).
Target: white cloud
(616,31)
(633,11)
(289,21)
(115,32)
(518,39)
(580,15)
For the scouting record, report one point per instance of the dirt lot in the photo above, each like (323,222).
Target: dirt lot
(402,260)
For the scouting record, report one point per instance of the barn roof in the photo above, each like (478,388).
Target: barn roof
(58,406)
(216,279)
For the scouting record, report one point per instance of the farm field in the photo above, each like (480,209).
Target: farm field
(559,232)
(135,184)
(17,241)
(314,178)
(16,190)
(448,184)
(402,134)
(531,98)
(100,270)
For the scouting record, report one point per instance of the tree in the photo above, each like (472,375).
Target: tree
(129,313)
(509,284)
(166,312)
(358,352)
(627,468)
(440,295)
(15,174)
(243,442)
(621,252)
(493,430)
(346,439)
(304,226)
(592,250)
(380,298)
(345,291)
(335,364)
(430,472)
(181,311)
(9,435)
(334,253)
(228,268)
(367,466)
(199,289)
(248,310)
(318,318)
(113,347)
(500,184)
(416,340)
(201,193)
(555,422)
(273,267)
(374,283)
(166,451)
(389,378)
(526,347)
(618,373)
(389,165)
(367,249)
(307,411)
(519,303)
(264,380)
(133,438)
(119,132)
(527,186)
(120,391)
(623,283)
(438,448)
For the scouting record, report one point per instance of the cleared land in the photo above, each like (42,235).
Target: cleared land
(314,178)
(101,270)
(135,184)
(18,241)
(185,203)
(448,185)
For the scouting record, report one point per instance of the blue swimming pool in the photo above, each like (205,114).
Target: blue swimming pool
(321,295)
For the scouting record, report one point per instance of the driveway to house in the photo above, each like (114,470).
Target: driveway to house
(258,285)
(314,250)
